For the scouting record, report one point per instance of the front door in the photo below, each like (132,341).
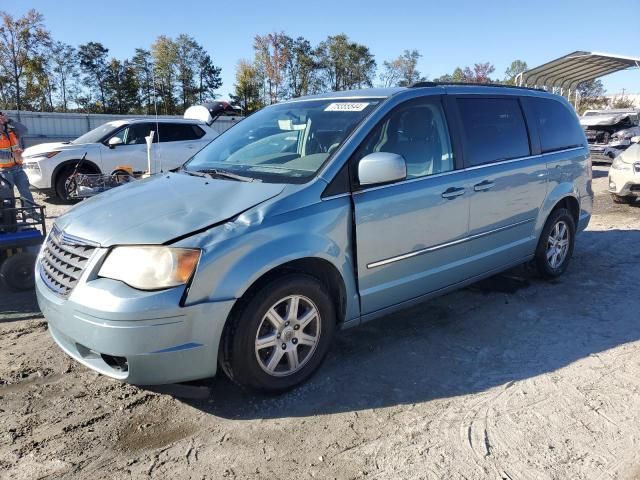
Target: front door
(132,152)
(409,235)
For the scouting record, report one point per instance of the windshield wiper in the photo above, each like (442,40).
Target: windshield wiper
(214,172)
(194,173)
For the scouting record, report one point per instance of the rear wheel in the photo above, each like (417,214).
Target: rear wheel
(555,246)
(622,200)
(17,271)
(121,176)
(280,336)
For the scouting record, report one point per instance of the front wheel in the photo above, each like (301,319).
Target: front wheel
(279,336)
(555,246)
(66,183)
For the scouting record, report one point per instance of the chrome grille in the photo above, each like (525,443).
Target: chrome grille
(63,260)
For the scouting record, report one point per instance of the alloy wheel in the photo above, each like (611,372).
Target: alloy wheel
(558,244)
(288,335)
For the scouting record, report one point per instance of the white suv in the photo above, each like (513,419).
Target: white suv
(114,145)
(624,174)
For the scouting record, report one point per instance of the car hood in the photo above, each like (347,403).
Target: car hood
(160,209)
(50,147)
(631,154)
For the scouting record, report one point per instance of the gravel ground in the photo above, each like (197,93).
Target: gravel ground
(512,378)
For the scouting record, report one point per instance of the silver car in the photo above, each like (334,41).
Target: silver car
(309,216)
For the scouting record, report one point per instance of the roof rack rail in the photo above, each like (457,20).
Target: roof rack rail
(470,84)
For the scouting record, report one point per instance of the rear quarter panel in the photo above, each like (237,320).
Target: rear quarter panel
(569,175)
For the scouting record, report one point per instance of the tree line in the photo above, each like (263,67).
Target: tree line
(41,74)
(284,67)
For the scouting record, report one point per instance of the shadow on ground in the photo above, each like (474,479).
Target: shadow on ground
(16,306)
(50,198)
(600,173)
(505,329)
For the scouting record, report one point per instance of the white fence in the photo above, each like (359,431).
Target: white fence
(60,127)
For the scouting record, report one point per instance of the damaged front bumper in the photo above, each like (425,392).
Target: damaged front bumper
(139,337)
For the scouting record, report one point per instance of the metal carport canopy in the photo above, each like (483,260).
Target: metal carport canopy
(574,68)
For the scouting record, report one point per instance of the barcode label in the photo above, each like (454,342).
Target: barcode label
(346,107)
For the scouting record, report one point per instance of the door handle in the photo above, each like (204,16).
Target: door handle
(482,186)
(453,192)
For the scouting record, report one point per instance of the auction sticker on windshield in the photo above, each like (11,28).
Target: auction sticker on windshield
(346,107)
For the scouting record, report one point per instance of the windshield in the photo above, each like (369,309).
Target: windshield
(97,134)
(285,143)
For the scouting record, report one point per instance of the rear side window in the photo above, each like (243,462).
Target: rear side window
(557,125)
(197,131)
(494,130)
(177,132)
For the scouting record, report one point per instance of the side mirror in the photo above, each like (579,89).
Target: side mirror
(381,167)
(635,139)
(113,141)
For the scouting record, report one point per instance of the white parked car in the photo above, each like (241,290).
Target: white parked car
(115,145)
(624,174)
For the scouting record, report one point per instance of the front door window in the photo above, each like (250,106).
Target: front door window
(418,132)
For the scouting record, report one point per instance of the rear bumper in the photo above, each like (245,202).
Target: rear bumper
(583,222)
(144,345)
(586,207)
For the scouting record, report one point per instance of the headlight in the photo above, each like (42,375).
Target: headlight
(150,268)
(618,164)
(45,155)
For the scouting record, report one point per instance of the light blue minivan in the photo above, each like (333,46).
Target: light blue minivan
(311,215)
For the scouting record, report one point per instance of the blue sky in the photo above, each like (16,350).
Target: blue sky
(447,33)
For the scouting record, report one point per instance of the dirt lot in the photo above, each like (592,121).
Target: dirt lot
(513,378)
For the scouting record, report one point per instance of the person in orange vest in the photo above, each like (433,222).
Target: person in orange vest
(11,156)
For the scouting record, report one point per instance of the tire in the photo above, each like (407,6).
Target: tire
(17,271)
(622,200)
(548,264)
(122,176)
(62,178)
(266,365)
